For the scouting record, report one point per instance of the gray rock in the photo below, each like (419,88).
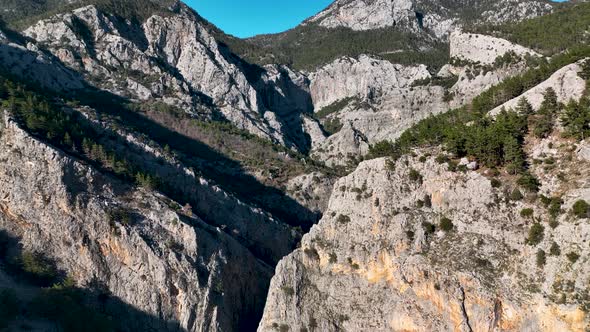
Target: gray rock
(171,266)
(372,265)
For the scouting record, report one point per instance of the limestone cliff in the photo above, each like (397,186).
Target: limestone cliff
(172,266)
(378,260)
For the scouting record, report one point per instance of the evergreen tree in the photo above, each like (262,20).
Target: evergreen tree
(576,119)
(514,156)
(543,122)
(524,107)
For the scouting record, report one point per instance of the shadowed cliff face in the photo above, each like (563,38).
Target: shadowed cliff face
(169,265)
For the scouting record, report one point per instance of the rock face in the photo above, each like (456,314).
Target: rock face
(483,49)
(173,267)
(439,18)
(379,261)
(363,78)
(567,85)
(381,100)
(173,58)
(368,15)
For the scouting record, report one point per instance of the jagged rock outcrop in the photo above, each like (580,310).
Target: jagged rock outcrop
(363,78)
(416,15)
(26,60)
(266,237)
(184,273)
(382,101)
(312,190)
(368,15)
(374,263)
(175,59)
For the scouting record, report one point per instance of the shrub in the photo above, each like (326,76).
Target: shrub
(446,224)
(312,253)
(441,159)
(526,213)
(288,290)
(572,256)
(541,258)
(516,195)
(343,219)
(333,258)
(529,182)
(415,176)
(495,183)
(555,206)
(536,234)
(122,215)
(581,209)
(554,250)
(39,269)
(429,228)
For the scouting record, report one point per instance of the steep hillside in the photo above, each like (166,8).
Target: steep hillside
(566,28)
(487,231)
(146,53)
(401,31)
(154,171)
(474,219)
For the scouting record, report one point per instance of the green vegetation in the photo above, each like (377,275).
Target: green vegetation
(554,250)
(576,119)
(550,34)
(64,305)
(543,122)
(335,107)
(37,268)
(343,219)
(536,234)
(310,46)
(527,213)
(493,142)
(24,13)
(572,256)
(581,209)
(529,182)
(446,224)
(516,195)
(66,130)
(415,176)
(429,228)
(541,258)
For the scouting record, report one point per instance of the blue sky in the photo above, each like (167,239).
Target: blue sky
(246,18)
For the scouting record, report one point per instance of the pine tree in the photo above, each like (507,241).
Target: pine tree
(514,156)
(576,119)
(524,107)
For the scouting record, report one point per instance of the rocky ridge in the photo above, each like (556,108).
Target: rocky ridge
(415,15)
(174,59)
(382,100)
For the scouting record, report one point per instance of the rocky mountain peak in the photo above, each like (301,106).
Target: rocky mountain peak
(436,16)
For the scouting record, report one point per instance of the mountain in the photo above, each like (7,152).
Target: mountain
(473,219)
(363,171)
(402,31)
